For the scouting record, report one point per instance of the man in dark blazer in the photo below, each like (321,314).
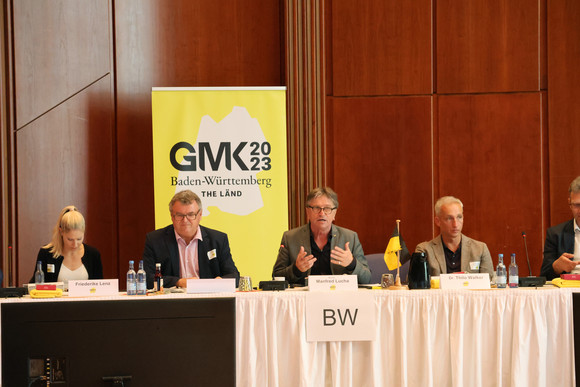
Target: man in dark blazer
(320,247)
(562,246)
(186,249)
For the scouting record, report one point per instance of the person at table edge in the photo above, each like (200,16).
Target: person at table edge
(562,245)
(186,249)
(451,251)
(320,247)
(66,257)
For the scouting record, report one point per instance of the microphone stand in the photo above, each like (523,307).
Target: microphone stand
(530,281)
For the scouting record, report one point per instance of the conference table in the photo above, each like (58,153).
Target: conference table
(497,337)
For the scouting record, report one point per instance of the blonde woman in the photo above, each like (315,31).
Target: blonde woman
(66,257)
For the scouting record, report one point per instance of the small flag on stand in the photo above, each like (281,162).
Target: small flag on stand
(396,243)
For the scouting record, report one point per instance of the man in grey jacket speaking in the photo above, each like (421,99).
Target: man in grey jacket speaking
(320,247)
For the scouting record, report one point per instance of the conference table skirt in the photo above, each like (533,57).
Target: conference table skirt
(512,337)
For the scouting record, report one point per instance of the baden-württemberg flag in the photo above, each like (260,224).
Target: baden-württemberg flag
(396,243)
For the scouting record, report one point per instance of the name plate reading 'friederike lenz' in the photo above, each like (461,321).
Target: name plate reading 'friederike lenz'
(332,282)
(464,281)
(340,316)
(101,287)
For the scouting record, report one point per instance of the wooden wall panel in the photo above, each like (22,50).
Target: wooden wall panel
(63,131)
(65,157)
(382,168)
(490,156)
(180,43)
(61,46)
(381,47)
(306,102)
(563,102)
(488,46)
(544,45)
(379,149)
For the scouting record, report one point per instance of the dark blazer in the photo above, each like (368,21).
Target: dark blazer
(559,240)
(161,247)
(293,239)
(91,261)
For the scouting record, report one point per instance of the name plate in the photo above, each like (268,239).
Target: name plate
(211,285)
(332,282)
(464,281)
(84,288)
(349,317)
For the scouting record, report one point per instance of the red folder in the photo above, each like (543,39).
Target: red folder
(574,277)
(45,287)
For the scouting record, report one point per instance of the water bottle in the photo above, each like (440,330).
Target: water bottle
(141,280)
(131,280)
(513,272)
(39,274)
(501,278)
(158,283)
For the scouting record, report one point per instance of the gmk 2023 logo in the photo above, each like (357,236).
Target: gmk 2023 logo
(222,166)
(205,158)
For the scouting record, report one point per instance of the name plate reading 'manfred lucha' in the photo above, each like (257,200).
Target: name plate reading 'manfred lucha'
(84,288)
(340,316)
(332,282)
(464,281)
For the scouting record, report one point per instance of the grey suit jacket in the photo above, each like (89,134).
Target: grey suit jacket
(293,239)
(471,251)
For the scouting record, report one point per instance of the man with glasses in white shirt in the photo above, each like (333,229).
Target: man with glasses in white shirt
(186,249)
(320,247)
(562,246)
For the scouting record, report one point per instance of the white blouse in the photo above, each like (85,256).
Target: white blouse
(65,274)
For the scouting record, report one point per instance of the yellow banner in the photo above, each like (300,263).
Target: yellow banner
(228,145)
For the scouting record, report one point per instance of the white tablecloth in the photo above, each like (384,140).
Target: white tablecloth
(511,337)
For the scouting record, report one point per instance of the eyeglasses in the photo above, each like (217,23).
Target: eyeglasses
(191,216)
(327,210)
(575,206)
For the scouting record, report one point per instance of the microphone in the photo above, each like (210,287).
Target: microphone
(530,281)
(527,256)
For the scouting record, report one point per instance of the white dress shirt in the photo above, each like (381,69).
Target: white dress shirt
(576,270)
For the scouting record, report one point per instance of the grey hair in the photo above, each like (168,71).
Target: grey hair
(184,197)
(574,186)
(322,191)
(444,201)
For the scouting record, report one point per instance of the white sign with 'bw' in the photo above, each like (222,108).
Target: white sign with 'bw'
(340,316)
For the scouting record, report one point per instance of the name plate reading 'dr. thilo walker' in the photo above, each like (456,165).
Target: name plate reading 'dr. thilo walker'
(84,288)
(332,282)
(340,316)
(464,281)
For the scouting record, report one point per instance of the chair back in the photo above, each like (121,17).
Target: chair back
(379,267)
